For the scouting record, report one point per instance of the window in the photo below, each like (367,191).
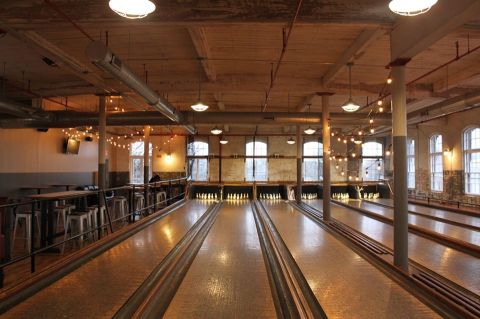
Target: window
(436,163)
(372,161)
(312,161)
(471,160)
(198,160)
(136,162)
(411,163)
(256,165)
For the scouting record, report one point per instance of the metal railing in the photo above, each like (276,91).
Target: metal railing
(94,198)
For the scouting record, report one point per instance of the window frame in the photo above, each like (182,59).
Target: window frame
(411,157)
(431,155)
(465,153)
(196,159)
(378,158)
(255,159)
(318,158)
(131,158)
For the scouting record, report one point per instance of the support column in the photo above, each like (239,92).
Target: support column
(102,143)
(146,153)
(400,199)
(298,193)
(326,160)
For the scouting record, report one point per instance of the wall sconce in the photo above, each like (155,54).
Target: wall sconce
(447,152)
(169,157)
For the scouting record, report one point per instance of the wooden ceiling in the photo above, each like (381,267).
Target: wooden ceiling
(231,49)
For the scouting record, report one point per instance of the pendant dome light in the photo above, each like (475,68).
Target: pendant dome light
(411,7)
(291,141)
(199,106)
(132,9)
(223,140)
(216,131)
(350,106)
(309,130)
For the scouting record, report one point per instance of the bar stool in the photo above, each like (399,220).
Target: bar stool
(162,198)
(139,202)
(119,206)
(27,215)
(82,220)
(62,211)
(97,214)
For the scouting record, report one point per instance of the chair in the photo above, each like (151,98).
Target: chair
(27,216)
(139,202)
(98,217)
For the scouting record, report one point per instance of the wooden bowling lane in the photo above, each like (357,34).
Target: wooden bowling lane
(456,266)
(100,287)
(345,284)
(435,212)
(444,228)
(228,278)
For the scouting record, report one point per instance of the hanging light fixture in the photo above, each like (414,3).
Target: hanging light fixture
(358,141)
(310,131)
(223,140)
(411,7)
(199,106)
(216,131)
(291,141)
(132,9)
(350,106)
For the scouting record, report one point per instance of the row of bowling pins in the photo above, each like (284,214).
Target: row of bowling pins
(340,196)
(270,196)
(310,196)
(207,196)
(371,195)
(237,196)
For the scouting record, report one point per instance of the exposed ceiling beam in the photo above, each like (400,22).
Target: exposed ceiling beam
(467,74)
(199,39)
(308,101)
(412,36)
(358,46)
(218,99)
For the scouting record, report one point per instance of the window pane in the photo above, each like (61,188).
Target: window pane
(471,158)
(198,148)
(372,149)
(370,171)
(260,171)
(137,170)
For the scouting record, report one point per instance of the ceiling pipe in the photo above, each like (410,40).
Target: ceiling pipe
(19,110)
(105,59)
(65,119)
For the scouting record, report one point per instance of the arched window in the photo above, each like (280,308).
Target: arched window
(136,162)
(312,161)
(198,160)
(471,160)
(372,161)
(411,163)
(256,164)
(436,163)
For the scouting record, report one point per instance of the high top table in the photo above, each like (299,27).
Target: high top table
(48,227)
(67,186)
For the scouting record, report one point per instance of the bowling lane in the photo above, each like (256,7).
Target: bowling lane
(345,284)
(457,217)
(457,232)
(459,267)
(100,287)
(228,278)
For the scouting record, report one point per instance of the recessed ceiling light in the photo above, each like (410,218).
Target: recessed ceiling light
(132,9)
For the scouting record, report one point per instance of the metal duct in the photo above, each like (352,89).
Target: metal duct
(65,119)
(19,110)
(104,58)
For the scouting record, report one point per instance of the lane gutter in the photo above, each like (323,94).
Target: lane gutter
(450,301)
